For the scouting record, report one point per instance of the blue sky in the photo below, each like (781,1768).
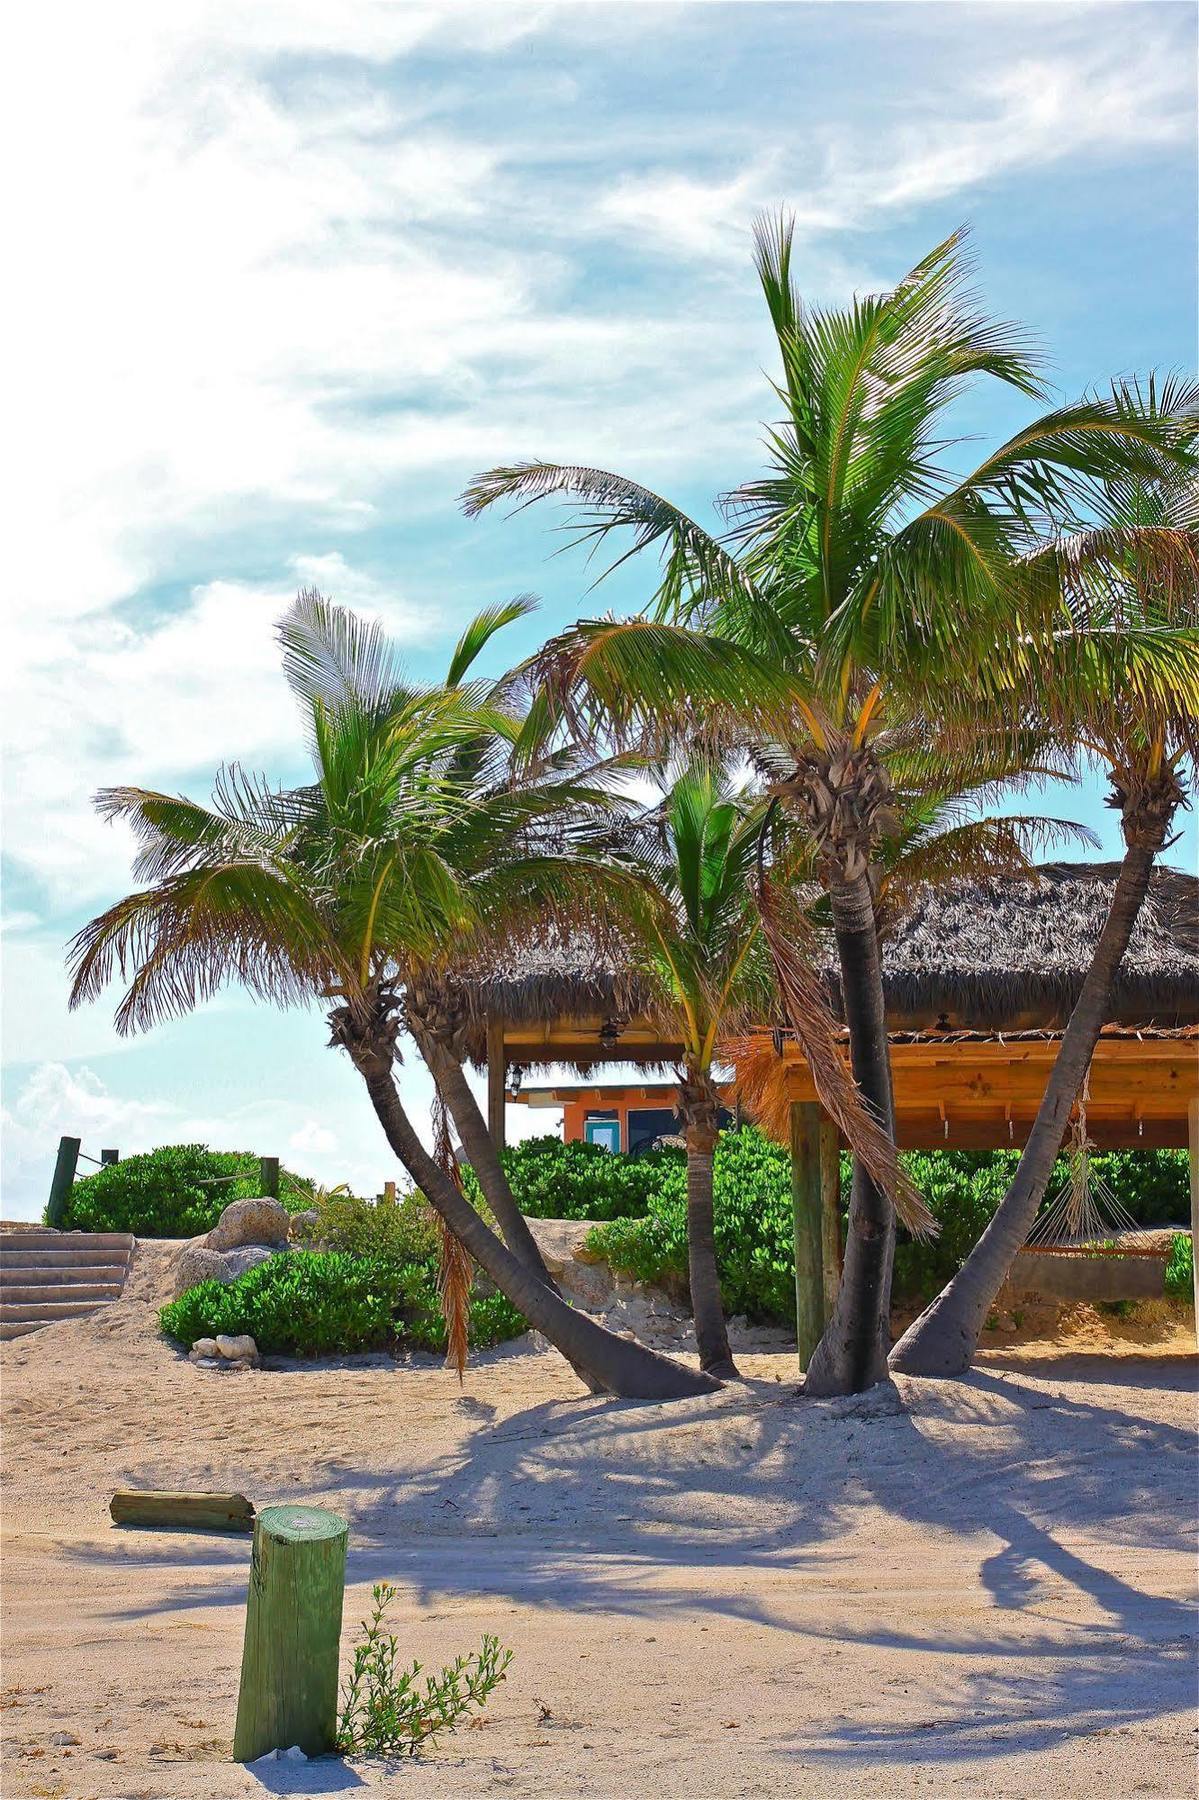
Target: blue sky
(292,273)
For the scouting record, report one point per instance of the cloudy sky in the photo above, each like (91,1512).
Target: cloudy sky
(289,273)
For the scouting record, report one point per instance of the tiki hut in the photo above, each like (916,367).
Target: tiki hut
(980,978)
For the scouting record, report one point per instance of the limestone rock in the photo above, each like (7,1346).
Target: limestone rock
(303,1224)
(261,1221)
(204,1347)
(196,1263)
(237,1349)
(583,1278)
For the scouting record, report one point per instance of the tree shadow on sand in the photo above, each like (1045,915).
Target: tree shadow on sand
(1041,1491)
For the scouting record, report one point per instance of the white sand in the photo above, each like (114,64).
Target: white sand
(979,1588)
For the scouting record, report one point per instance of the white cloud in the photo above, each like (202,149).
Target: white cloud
(102,701)
(312,1139)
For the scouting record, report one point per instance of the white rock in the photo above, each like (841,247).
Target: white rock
(267,1756)
(237,1349)
(204,1347)
(196,1263)
(295,1754)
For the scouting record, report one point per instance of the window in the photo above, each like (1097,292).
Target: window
(648,1123)
(602,1129)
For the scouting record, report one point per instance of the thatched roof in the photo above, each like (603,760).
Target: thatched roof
(1004,954)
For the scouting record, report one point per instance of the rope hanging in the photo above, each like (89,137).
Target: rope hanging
(1084,1212)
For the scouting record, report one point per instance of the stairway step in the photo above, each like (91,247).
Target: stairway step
(47,1311)
(47,1295)
(43,1274)
(67,1240)
(49,1256)
(15,1328)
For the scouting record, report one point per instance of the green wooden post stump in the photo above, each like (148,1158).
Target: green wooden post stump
(288,1689)
(63,1179)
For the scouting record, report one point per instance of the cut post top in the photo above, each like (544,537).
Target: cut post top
(301,1524)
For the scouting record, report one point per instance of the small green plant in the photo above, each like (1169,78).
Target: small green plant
(387,1710)
(1180,1268)
(992,1323)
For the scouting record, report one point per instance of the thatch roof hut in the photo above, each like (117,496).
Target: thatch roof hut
(1006,954)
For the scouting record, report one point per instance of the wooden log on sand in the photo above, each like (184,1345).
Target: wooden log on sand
(183,1512)
(288,1691)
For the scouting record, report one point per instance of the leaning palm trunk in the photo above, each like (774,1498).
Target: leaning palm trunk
(623,1367)
(437,1024)
(943,1340)
(852,1354)
(699,1104)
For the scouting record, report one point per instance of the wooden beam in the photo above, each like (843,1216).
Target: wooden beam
(830,1213)
(497,1076)
(181,1512)
(806,1196)
(1192,1133)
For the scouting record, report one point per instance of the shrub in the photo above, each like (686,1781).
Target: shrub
(755,1233)
(171,1192)
(755,1244)
(553,1180)
(399,1231)
(311,1303)
(1180,1268)
(387,1711)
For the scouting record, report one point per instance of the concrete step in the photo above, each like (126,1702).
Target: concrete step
(43,1274)
(47,1311)
(15,1328)
(31,1299)
(50,1256)
(11,1241)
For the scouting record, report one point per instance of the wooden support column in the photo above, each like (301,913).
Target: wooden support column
(497,1076)
(1193,1145)
(288,1689)
(806,1199)
(830,1213)
(63,1179)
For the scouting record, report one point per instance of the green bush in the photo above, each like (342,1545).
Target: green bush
(754,1230)
(171,1192)
(1180,1268)
(755,1250)
(553,1180)
(399,1231)
(310,1303)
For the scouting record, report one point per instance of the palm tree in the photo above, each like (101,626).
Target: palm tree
(1129,584)
(354,891)
(857,567)
(703,951)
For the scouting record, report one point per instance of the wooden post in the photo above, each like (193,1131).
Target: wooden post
(181,1512)
(830,1213)
(63,1180)
(806,1199)
(288,1691)
(1193,1146)
(109,1156)
(497,1075)
(389,1193)
(268,1176)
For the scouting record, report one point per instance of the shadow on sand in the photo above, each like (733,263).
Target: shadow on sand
(1037,1483)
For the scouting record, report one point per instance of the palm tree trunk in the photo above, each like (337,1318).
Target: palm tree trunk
(943,1340)
(624,1367)
(852,1354)
(483,1156)
(703,1277)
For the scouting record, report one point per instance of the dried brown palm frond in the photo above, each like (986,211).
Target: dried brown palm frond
(793,953)
(455,1272)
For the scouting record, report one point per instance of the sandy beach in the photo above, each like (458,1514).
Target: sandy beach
(979,1588)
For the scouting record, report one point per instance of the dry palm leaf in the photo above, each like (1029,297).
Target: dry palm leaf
(455,1272)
